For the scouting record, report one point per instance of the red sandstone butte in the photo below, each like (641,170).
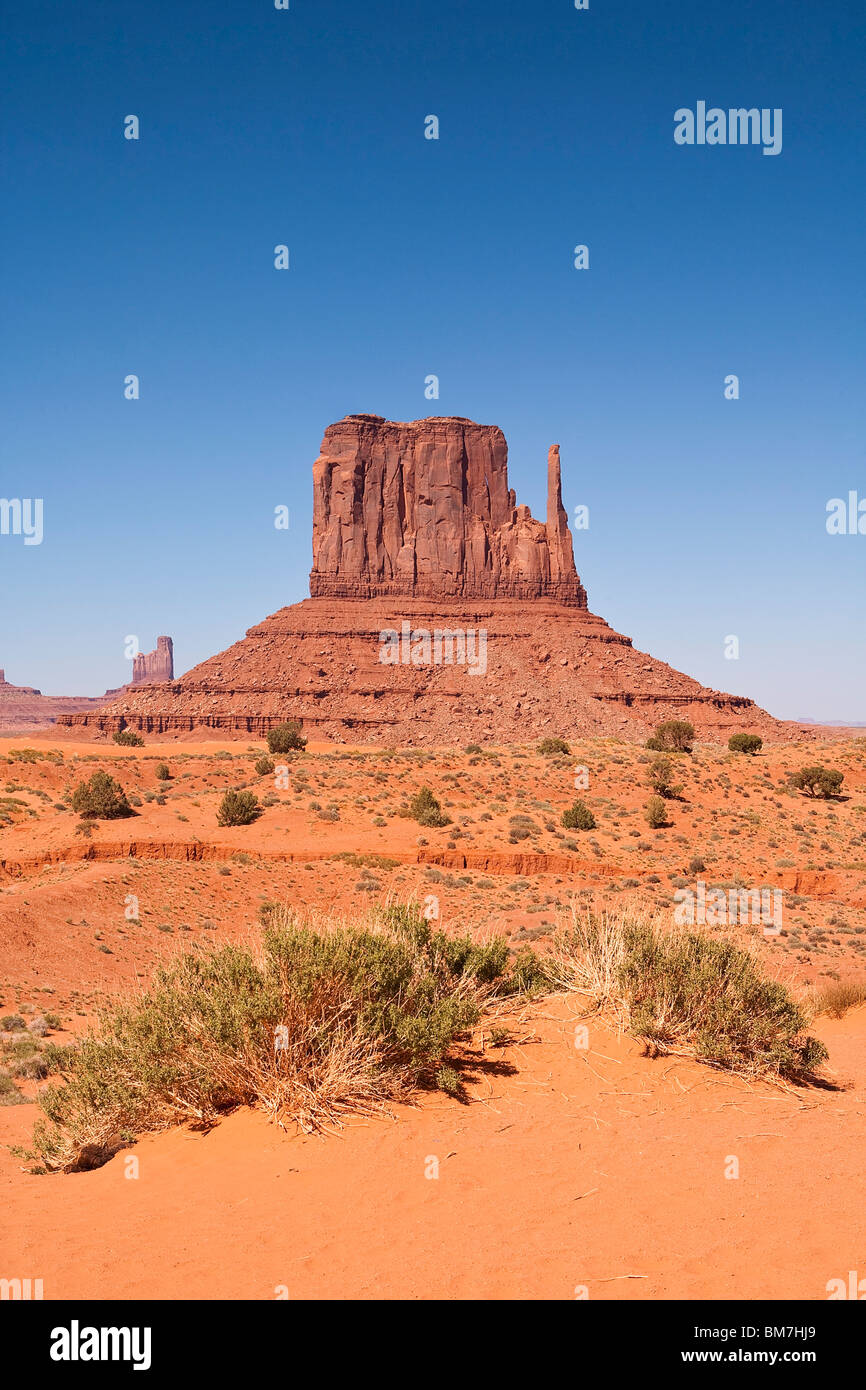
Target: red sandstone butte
(157,665)
(425,510)
(23,707)
(415,523)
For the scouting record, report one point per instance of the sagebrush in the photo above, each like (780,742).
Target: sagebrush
(323,1017)
(687,992)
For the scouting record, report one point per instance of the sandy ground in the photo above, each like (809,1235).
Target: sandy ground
(568,1169)
(569,1173)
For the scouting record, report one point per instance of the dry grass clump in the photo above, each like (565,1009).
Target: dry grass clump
(324,1017)
(837,998)
(686,992)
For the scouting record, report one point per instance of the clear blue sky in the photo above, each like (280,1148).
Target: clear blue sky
(453,257)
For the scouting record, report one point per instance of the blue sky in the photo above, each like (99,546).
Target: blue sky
(454,257)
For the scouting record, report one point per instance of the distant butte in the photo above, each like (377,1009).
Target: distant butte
(24,707)
(157,665)
(415,527)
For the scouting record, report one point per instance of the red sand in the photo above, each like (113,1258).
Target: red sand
(599,1170)
(567,1169)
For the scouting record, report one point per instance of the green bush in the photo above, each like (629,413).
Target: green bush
(286,738)
(163,772)
(734,1013)
(656,813)
(238,808)
(425,809)
(687,991)
(817,780)
(101,798)
(745,743)
(578,816)
(548,746)
(264,767)
(321,1020)
(674,736)
(660,776)
(128,738)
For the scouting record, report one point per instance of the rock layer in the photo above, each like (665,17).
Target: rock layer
(550,669)
(425,510)
(25,707)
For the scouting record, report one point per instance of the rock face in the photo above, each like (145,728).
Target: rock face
(6,688)
(25,707)
(157,665)
(424,510)
(420,552)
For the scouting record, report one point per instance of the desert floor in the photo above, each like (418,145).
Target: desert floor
(567,1168)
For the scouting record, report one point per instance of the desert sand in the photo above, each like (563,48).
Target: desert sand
(565,1172)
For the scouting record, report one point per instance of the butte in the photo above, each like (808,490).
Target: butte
(414,523)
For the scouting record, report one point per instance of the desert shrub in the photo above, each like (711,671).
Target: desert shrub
(674,736)
(9,1092)
(686,992)
(838,997)
(696,865)
(548,746)
(325,1017)
(34,755)
(660,776)
(25,1061)
(578,816)
(530,975)
(656,813)
(473,748)
(163,772)
(128,738)
(745,743)
(238,808)
(264,767)
(286,738)
(101,798)
(819,781)
(426,810)
(448,1080)
(367,861)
